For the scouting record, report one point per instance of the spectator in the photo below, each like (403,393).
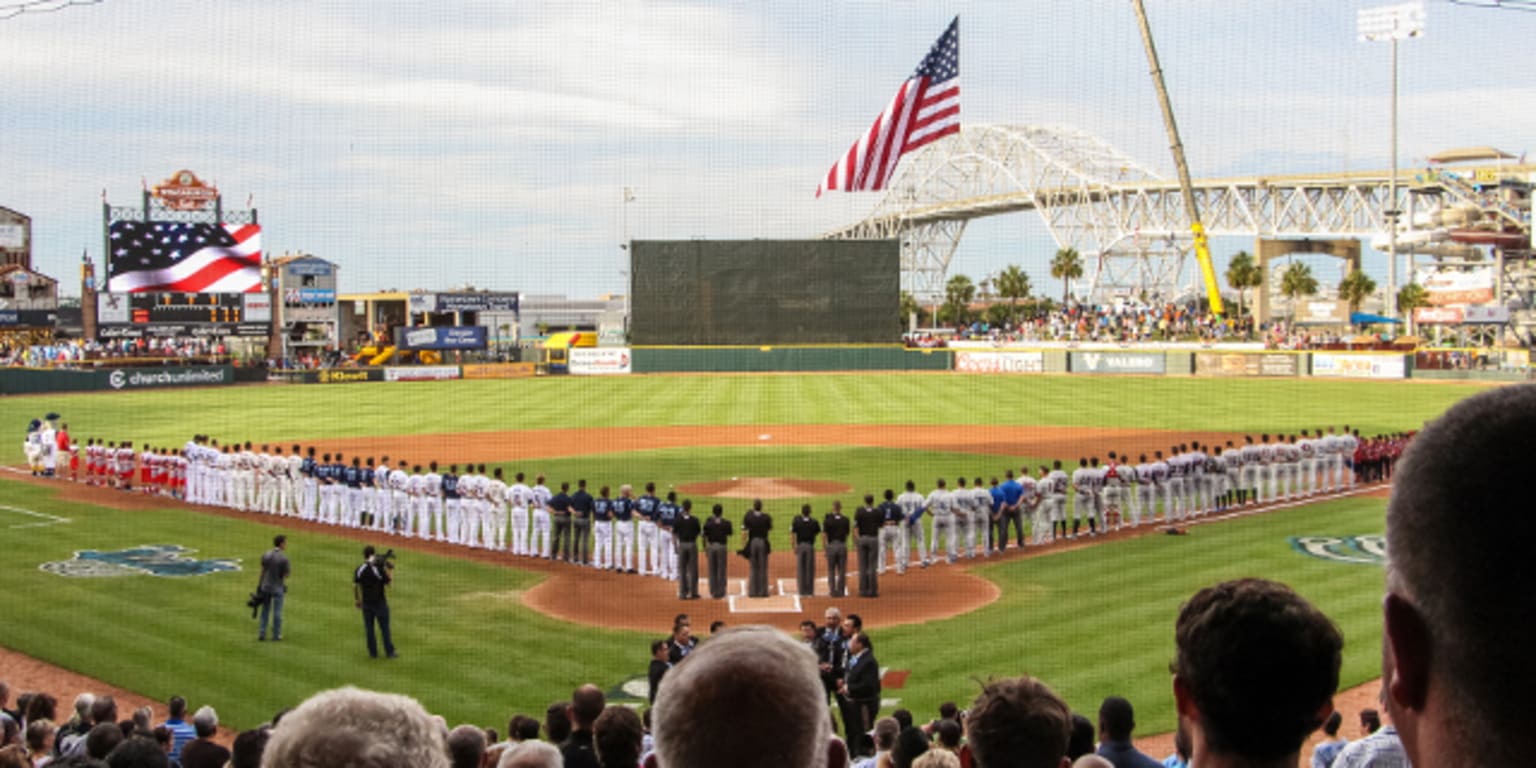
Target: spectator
(759,690)
(466,746)
(557,722)
(141,726)
(1092,761)
(203,751)
(13,756)
(165,740)
(937,758)
(353,728)
(102,739)
(1328,749)
(181,730)
(1370,722)
(911,743)
(1018,723)
(1081,741)
(71,735)
(39,736)
(1181,750)
(5,702)
(618,737)
(531,754)
(659,667)
(527,730)
(41,706)
(1116,721)
(587,704)
(248,747)
(1381,749)
(1255,669)
(948,734)
(886,730)
(136,752)
(1455,680)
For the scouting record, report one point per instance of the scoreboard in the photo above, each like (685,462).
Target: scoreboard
(162,314)
(185,307)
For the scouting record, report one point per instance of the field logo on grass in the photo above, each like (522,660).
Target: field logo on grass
(146,559)
(1356,550)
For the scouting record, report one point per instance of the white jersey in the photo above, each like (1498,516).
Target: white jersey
(1031,490)
(541,496)
(431,484)
(941,502)
(399,480)
(495,491)
(519,495)
(415,485)
(1057,483)
(911,503)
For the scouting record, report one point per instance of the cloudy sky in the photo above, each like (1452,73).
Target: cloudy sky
(490,142)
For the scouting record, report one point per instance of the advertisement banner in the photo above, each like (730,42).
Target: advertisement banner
(157,378)
(10,317)
(292,296)
(1437,315)
(258,308)
(498,370)
(1320,312)
(308,268)
(590,361)
(999,362)
(1238,364)
(1358,366)
(342,376)
(463,302)
(112,308)
(1447,288)
(442,337)
(1117,362)
(422,373)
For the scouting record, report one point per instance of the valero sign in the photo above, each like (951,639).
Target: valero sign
(183,191)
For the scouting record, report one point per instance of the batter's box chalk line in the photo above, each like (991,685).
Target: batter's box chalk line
(778,604)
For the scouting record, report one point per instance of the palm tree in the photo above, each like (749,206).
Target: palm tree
(1066,266)
(1297,281)
(958,293)
(1243,273)
(1411,297)
(1355,288)
(1013,284)
(909,307)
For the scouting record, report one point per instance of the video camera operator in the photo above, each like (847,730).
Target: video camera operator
(369,582)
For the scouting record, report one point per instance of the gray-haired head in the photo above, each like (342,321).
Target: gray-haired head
(205,721)
(531,754)
(354,728)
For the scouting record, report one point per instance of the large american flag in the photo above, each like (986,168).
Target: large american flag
(925,109)
(177,256)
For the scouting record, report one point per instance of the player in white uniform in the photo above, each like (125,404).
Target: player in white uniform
(430,516)
(1145,500)
(1268,470)
(1232,460)
(964,522)
(624,530)
(417,518)
(981,518)
(602,530)
(1085,497)
(539,544)
(912,508)
(1349,442)
(519,495)
(941,504)
(645,510)
(382,501)
(496,515)
(403,517)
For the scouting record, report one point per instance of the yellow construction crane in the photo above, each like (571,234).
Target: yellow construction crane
(1202,248)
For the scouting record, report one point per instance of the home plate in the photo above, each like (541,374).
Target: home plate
(775,604)
(765,436)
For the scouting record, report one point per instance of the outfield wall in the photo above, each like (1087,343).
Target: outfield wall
(21,381)
(787,359)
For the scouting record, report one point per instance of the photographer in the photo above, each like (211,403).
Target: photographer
(273,587)
(368,586)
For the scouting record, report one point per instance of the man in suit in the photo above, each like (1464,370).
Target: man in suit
(861,686)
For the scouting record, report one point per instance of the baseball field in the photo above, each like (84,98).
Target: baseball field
(483,635)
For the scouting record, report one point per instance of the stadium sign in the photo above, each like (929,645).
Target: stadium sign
(1359,366)
(1117,362)
(593,361)
(1238,364)
(442,337)
(1353,550)
(183,191)
(463,302)
(156,378)
(999,362)
(342,376)
(421,373)
(144,560)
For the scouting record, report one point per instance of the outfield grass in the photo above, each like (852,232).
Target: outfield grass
(1090,623)
(286,413)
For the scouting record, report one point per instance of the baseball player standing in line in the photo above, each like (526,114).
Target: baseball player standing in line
(310,499)
(542,523)
(891,539)
(1173,490)
(383,497)
(645,509)
(431,514)
(624,530)
(964,523)
(403,498)
(602,530)
(1053,489)
(1145,502)
(1308,448)
(453,504)
(519,496)
(1083,496)
(941,504)
(292,490)
(1349,442)
(1248,486)
(469,508)
(911,503)
(496,520)
(1114,494)
(1232,458)
(981,518)
(666,517)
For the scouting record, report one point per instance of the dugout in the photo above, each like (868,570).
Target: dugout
(764,292)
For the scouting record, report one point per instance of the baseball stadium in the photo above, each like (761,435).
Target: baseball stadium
(526,494)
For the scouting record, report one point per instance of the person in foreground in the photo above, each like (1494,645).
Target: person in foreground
(1457,676)
(353,728)
(1019,723)
(1254,673)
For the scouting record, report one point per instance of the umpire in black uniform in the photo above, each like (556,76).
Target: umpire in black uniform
(755,527)
(834,537)
(717,536)
(581,522)
(685,535)
(804,531)
(869,520)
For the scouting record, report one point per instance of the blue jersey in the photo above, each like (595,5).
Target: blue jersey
(450,486)
(366,476)
(602,508)
(666,513)
(997,497)
(1012,492)
(623,509)
(353,477)
(645,507)
(307,469)
(338,473)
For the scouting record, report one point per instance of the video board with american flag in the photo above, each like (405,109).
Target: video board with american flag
(184,257)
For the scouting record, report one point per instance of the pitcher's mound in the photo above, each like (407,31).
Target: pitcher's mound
(764,488)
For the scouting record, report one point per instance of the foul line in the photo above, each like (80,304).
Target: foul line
(48,519)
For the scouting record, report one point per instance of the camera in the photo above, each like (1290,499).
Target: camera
(387,559)
(255,601)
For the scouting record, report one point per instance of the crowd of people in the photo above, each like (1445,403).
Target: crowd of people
(70,352)
(1254,673)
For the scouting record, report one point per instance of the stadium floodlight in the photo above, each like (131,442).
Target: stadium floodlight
(1392,22)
